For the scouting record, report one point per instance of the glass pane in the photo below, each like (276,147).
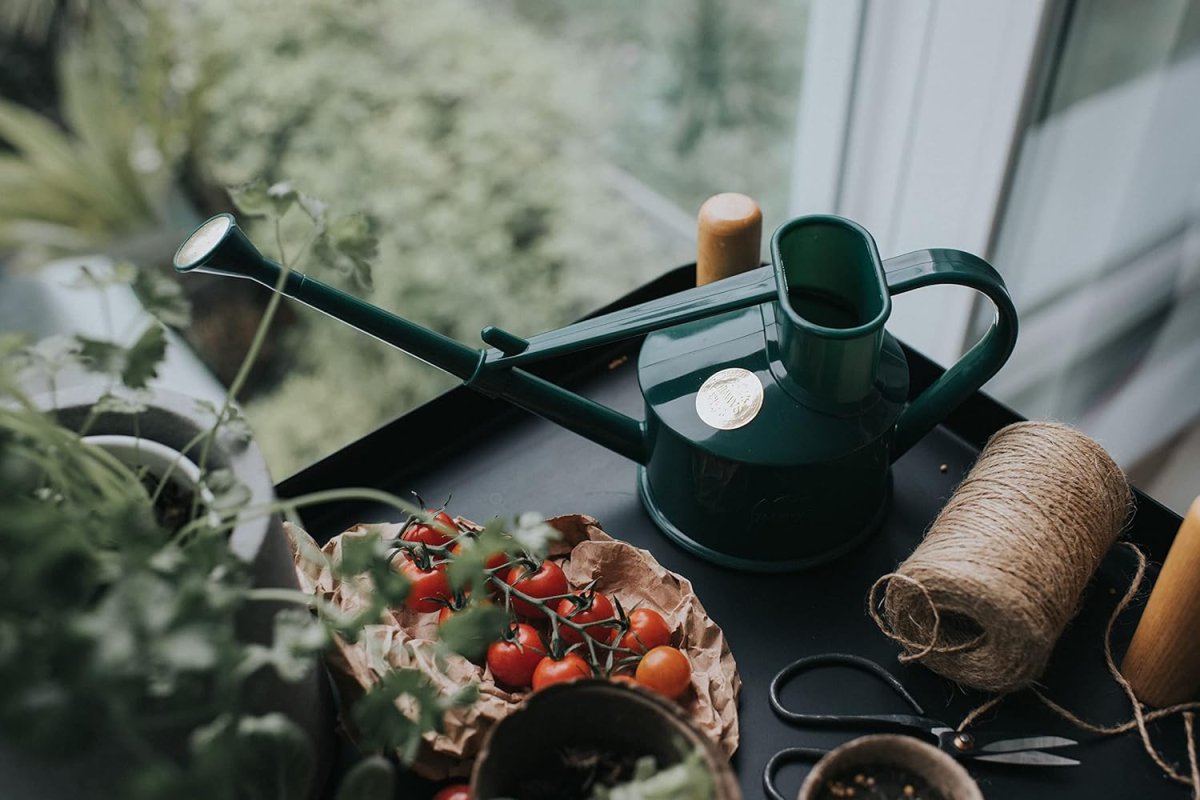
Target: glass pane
(1109,42)
(1100,241)
(521,163)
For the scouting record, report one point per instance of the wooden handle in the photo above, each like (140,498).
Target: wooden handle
(1163,660)
(730,237)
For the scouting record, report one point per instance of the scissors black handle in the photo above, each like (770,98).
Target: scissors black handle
(915,725)
(787,756)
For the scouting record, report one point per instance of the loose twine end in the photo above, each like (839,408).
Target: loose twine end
(1141,717)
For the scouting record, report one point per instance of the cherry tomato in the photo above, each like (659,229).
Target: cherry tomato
(455,791)
(647,630)
(629,679)
(601,609)
(513,663)
(446,613)
(547,581)
(570,667)
(429,587)
(666,671)
(493,561)
(436,535)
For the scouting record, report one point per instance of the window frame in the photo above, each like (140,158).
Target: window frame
(910,121)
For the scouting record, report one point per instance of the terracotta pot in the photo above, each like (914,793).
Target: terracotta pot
(939,770)
(610,717)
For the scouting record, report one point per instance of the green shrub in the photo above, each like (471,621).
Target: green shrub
(470,141)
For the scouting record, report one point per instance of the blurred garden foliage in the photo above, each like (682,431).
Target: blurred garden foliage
(480,139)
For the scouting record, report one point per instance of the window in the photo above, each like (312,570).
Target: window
(526,162)
(1100,240)
(522,163)
(1057,139)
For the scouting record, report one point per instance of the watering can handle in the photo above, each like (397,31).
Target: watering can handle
(977,365)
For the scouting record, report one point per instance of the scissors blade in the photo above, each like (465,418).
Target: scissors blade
(1030,758)
(1028,743)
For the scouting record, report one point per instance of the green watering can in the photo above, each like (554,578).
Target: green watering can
(775,400)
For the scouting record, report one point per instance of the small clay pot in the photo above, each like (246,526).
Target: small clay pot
(937,769)
(609,717)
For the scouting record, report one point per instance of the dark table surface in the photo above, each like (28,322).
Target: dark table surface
(496,461)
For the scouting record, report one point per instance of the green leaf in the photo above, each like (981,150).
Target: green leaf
(101,356)
(163,297)
(251,198)
(191,649)
(297,640)
(533,534)
(348,246)
(229,494)
(466,696)
(50,355)
(470,631)
(274,757)
(135,365)
(235,427)
(121,273)
(282,196)
(315,209)
(688,778)
(360,553)
(144,357)
(130,402)
(352,236)
(373,778)
(383,724)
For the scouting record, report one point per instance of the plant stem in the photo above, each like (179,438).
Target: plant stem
(316,498)
(164,479)
(239,380)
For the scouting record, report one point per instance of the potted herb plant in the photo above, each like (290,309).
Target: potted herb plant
(153,643)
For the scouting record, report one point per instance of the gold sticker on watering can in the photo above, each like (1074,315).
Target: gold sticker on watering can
(729,399)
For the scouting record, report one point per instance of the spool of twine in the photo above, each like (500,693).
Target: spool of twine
(986,595)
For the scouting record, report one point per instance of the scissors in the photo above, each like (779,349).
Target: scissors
(991,747)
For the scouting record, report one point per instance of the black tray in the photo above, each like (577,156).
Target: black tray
(496,460)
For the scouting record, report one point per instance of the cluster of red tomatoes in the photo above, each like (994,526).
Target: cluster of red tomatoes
(556,633)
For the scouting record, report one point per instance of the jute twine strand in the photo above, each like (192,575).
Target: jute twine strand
(1141,717)
(1000,573)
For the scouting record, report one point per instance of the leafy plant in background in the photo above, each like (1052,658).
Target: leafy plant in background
(472,141)
(130,92)
(481,141)
(118,629)
(703,93)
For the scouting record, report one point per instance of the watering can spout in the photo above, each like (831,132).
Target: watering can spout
(220,247)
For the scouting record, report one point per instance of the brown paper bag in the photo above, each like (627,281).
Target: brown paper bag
(408,639)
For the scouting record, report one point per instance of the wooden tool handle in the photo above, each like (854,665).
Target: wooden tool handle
(1163,660)
(730,237)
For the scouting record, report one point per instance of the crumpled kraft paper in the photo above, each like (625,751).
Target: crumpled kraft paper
(406,638)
